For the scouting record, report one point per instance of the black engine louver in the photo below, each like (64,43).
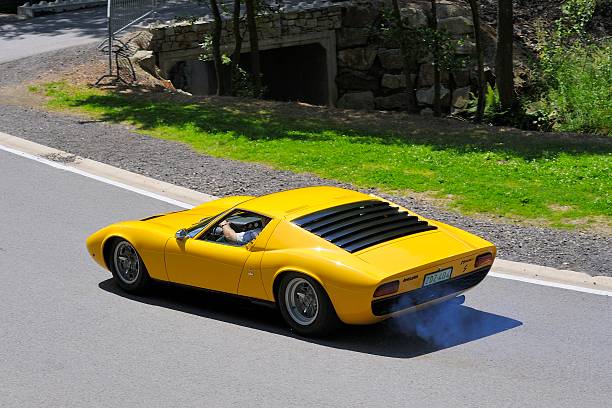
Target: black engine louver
(363,224)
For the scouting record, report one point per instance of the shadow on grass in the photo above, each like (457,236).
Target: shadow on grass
(268,121)
(409,336)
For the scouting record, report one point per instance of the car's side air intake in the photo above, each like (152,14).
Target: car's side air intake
(363,224)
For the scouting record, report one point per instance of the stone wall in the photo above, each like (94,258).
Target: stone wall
(364,71)
(273,27)
(370,69)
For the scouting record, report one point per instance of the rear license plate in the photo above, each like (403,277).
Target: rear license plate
(436,277)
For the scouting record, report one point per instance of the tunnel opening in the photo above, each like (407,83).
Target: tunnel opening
(296,73)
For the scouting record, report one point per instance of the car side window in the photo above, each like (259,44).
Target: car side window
(237,228)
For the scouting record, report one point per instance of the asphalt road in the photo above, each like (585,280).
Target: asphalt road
(70,338)
(24,38)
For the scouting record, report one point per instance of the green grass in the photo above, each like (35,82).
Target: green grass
(557,180)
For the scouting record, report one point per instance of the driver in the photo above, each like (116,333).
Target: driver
(241,238)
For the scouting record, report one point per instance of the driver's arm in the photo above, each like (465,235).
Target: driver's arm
(228,232)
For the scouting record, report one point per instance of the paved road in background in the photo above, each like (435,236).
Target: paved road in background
(69,337)
(24,38)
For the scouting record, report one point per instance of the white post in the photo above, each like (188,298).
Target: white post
(110,37)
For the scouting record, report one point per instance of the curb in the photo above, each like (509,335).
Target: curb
(545,273)
(501,268)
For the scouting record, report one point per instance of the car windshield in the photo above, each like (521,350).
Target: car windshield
(197,228)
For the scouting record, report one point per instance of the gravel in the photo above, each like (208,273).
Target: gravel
(177,163)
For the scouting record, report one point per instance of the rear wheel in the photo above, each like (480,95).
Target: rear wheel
(305,306)
(127,267)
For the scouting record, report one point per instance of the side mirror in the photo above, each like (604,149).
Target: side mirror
(181,235)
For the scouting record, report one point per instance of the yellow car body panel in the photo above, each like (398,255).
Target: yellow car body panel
(254,270)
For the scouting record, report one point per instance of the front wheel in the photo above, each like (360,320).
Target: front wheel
(305,306)
(127,267)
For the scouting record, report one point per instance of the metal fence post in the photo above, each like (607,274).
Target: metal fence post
(121,15)
(109,13)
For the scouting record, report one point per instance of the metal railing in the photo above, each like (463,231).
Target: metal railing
(121,15)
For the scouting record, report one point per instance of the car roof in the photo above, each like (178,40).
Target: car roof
(301,201)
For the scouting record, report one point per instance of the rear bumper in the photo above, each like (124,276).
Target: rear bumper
(427,294)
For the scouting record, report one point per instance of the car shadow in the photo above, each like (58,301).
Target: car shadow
(412,335)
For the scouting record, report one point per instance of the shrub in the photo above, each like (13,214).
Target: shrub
(575,74)
(580,94)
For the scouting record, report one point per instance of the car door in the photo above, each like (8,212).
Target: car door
(205,264)
(206,259)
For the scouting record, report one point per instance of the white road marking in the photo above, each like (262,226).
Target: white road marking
(181,204)
(550,284)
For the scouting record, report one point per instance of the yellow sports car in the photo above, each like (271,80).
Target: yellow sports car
(321,254)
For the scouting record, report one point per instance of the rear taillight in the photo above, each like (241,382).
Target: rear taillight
(386,289)
(484,259)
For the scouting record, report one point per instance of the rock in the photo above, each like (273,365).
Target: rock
(461,77)
(447,9)
(414,16)
(427,112)
(466,48)
(142,40)
(460,98)
(393,81)
(396,101)
(426,96)
(360,58)
(489,75)
(456,25)
(146,61)
(360,17)
(391,59)
(357,100)
(426,75)
(352,37)
(357,81)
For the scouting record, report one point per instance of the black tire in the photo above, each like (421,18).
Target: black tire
(132,283)
(324,322)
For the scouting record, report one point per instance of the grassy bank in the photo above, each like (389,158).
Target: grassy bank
(558,180)
(579,94)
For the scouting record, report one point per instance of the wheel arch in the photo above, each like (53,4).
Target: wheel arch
(278,277)
(107,247)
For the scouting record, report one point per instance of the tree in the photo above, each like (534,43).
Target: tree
(216,46)
(254,42)
(235,63)
(433,24)
(504,76)
(482,86)
(408,57)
